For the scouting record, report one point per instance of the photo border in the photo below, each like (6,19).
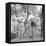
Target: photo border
(8,22)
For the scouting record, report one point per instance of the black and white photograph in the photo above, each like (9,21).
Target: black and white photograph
(27,22)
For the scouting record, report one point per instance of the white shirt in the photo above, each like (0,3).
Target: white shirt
(30,16)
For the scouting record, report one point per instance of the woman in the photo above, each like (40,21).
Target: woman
(33,25)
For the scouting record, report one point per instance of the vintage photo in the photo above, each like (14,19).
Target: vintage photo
(26,22)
